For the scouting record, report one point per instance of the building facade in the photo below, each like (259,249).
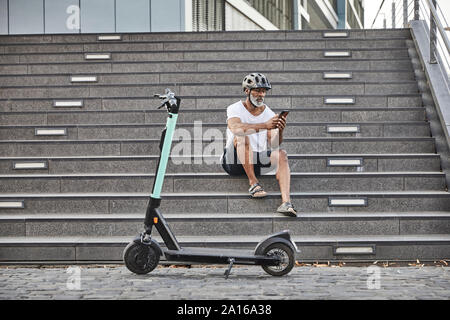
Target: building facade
(116,16)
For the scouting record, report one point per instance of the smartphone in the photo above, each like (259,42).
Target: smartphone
(284,113)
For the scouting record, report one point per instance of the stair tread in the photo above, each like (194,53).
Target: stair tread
(223,194)
(196,84)
(294,155)
(211,124)
(81,51)
(84,240)
(223,139)
(231,216)
(223,174)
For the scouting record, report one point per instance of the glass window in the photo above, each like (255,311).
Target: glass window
(3,16)
(166,16)
(97,16)
(279,12)
(62,16)
(26,17)
(208,16)
(317,20)
(132,16)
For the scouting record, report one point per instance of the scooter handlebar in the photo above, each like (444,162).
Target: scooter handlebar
(171,102)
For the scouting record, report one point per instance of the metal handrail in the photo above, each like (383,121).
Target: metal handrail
(438,23)
(378,12)
(435,24)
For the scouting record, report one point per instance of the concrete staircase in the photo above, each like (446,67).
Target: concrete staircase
(79,135)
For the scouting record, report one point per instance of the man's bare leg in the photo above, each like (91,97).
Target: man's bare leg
(279,158)
(245,155)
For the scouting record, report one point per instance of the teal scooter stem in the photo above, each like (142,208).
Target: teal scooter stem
(153,216)
(165,153)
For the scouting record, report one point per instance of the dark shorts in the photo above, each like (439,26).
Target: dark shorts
(233,166)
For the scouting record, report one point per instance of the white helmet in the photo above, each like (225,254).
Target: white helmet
(255,80)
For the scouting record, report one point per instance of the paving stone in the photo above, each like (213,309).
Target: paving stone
(250,283)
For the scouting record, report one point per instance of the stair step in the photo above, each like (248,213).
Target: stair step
(203,182)
(201,55)
(147,164)
(351,77)
(247,42)
(141,90)
(113,203)
(330,114)
(72,40)
(214,66)
(20,148)
(219,102)
(143,131)
(223,224)
(313,248)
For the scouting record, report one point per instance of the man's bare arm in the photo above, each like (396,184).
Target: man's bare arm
(242,129)
(275,136)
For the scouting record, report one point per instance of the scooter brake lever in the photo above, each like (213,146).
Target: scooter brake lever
(161,97)
(162,105)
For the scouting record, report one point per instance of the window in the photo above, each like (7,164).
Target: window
(279,12)
(208,15)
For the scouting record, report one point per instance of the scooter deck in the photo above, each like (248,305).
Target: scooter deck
(219,256)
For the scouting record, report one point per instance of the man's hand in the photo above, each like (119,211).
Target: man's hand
(272,123)
(281,123)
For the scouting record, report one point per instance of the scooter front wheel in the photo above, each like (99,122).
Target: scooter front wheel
(140,258)
(287,259)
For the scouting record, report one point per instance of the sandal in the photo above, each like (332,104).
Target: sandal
(287,209)
(257,191)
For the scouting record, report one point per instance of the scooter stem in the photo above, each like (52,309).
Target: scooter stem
(172,104)
(165,153)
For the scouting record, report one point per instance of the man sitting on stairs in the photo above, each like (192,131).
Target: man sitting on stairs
(254,134)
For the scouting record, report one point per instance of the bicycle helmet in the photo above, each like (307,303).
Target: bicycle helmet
(255,80)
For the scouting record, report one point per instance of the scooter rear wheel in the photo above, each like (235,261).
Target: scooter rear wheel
(286,255)
(140,258)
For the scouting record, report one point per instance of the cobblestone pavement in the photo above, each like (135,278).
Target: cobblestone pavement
(246,283)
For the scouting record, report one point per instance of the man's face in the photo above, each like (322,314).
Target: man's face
(257,96)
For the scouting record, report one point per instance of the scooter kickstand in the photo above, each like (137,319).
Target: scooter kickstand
(228,271)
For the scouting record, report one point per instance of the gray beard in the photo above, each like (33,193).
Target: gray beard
(255,102)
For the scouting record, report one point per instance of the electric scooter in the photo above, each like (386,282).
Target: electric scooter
(276,253)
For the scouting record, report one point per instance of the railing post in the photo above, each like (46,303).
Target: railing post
(416,10)
(433,37)
(393,15)
(405,13)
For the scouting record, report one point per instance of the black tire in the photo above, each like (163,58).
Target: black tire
(140,258)
(287,259)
